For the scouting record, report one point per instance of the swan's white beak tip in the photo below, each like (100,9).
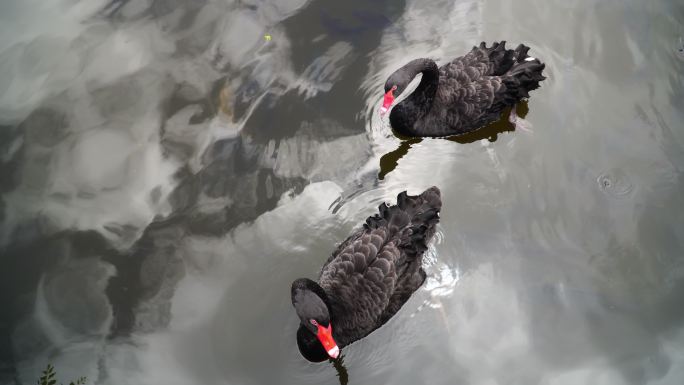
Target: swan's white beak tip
(334,352)
(383,110)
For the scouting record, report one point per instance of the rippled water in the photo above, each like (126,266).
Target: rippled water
(166,171)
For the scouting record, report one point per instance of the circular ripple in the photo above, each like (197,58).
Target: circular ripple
(615,183)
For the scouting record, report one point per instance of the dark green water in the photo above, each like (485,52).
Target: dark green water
(166,171)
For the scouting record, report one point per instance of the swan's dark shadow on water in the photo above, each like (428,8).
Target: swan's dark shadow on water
(342,374)
(390,161)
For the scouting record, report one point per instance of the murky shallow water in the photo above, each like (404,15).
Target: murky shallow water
(166,172)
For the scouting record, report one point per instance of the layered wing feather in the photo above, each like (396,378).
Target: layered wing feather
(374,271)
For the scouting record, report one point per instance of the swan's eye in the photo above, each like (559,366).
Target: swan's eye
(394,88)
(313,322)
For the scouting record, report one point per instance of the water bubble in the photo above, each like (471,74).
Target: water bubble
(615,183)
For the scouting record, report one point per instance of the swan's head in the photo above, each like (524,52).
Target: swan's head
(400,79)
(315,321)
(388,99)
(394,86)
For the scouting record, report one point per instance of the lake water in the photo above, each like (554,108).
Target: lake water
(167,169)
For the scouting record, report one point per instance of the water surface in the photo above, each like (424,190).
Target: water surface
(166,172)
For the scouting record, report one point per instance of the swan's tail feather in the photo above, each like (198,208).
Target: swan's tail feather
(525,74)
(423,210)
(413,217)
(498,58)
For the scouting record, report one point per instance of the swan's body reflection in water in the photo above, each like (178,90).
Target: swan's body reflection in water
(390,161)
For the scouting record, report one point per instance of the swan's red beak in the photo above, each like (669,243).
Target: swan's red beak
(325,336)
(387,101)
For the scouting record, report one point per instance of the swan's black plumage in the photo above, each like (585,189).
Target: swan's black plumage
(370,275)
(465,94)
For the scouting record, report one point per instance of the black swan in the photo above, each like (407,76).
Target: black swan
(367,278)
(463,95)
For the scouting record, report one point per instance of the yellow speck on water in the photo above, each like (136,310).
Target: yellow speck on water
(267,37)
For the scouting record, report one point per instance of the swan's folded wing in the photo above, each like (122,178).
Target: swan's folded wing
(410,277)
(474,103)
(463,72)
(341,247)
(374,271)
(360,280)
(479,62)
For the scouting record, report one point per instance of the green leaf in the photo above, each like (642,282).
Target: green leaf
(48,377)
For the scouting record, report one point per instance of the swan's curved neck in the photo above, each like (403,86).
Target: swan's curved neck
(426,90)
(305,284)
(419,103)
